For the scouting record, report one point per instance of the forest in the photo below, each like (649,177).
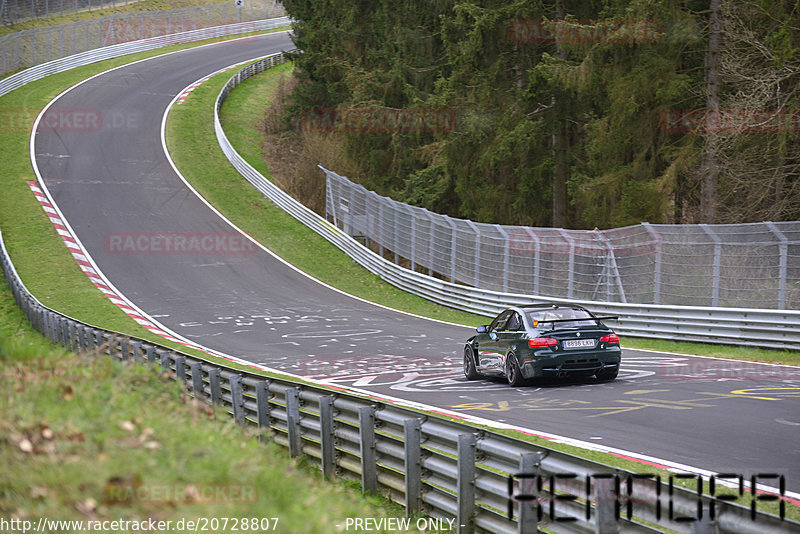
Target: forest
(562,113)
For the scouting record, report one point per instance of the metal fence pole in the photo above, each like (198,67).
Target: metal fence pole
(293,422)
(237,398)
(412,430)
(657,262)
(262,406)
(477,270)
(327,437)
(717,262)
(366,430)
(453,241)
(465,483)
(782,265)
(527,518)
(214,382)
(605,495)
(571,268)
(198,386)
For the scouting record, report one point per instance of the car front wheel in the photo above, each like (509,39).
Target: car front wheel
(469,364)
(513,372)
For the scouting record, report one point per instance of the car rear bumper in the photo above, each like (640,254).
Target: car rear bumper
(571,364)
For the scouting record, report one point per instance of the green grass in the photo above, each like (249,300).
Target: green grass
(258,217)
(30,236)
(135,7)
(219,183)
(39,255)
(84,437)
(216,180)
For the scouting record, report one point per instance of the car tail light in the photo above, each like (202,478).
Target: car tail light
(541,342)
(611,339)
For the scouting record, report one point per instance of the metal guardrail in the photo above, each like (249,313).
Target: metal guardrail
(740,326)
(482,480)
(752,265)
(486,481)
(15,81)
(39,45)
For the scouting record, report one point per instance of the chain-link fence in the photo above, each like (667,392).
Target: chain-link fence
(743,265)
(31,47)
(15,11)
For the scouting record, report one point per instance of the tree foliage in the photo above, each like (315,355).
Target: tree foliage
(603,98)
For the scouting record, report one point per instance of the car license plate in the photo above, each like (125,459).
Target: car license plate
(579,343)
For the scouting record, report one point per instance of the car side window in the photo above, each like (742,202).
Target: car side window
(500,322)
(514,323)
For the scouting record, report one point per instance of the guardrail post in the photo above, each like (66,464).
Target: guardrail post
(215,386)
(704,525)
(327,437)
(81,338)
(164,360)
(262,407)
(237,399)
(151,353)
(180,368)
(465,483)
(136,350)
(366,430)
(527,521)
(605,495)
(99,340)
(412,430)
(293,421)
(198,386)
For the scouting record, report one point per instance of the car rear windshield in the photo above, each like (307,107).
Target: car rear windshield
(559,314)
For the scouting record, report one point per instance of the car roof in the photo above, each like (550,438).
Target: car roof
(550,306)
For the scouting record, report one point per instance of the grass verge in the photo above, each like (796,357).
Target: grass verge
(38,253)
(214,178)
(132,7)
(86,438)
(249,210)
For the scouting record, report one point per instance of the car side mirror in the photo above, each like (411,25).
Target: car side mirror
(481,329)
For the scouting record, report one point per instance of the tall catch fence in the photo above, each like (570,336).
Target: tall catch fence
(39,45)
(734,266)
(15,11)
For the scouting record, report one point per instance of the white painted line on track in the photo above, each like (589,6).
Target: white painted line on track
(74,244)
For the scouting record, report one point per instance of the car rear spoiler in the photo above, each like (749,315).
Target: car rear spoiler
(576,320)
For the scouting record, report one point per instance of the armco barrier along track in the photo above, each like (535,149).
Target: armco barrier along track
(764,328)
(430,464)
(484,480)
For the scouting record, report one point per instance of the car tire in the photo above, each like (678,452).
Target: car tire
(513,372)
(607,375)
(470,371)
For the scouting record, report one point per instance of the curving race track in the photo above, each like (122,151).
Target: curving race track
(113,181)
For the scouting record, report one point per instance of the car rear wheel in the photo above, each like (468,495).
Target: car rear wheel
(513,372)
(470,371)
(611,374)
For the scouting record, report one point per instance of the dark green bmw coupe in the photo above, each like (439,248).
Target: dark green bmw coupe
(543,340)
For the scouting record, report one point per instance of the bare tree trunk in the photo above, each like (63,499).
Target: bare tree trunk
(560,142)
(710,164)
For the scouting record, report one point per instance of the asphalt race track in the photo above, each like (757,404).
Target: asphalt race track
(112,179)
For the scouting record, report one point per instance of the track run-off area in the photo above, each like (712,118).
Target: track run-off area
(111,181)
